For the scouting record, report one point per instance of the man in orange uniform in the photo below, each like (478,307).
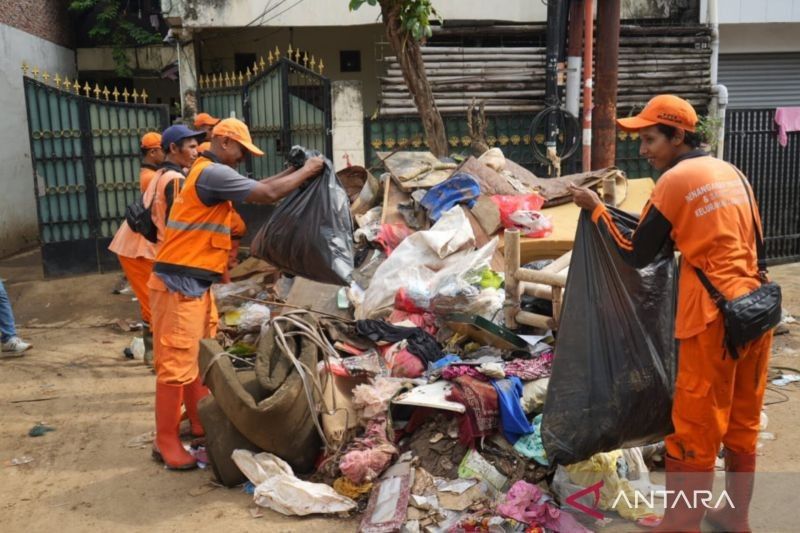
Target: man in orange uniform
(205,122)
(194,255)
(700,206)
(152,157)
(136,254)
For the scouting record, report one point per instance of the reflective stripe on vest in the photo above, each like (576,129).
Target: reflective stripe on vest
(198,237)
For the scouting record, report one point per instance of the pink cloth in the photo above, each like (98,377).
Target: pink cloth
(368,456)
(530,369)
(787,119)
(524,504)
(451,372)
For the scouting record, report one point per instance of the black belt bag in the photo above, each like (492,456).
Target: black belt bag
(750,316)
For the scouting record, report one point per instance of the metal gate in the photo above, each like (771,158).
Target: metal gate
(751,143)
(284,103)
(85,156)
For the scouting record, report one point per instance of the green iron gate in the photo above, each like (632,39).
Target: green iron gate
(284,103)
(85,156)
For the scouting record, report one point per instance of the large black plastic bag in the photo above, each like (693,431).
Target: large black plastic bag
(310,233)
(615,361)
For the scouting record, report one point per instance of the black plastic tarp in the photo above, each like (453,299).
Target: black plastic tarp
(615,361)
(310,234)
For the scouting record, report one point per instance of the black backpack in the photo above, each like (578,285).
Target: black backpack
(140,219)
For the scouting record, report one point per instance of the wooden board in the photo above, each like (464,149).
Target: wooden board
(316,296)
(565,223)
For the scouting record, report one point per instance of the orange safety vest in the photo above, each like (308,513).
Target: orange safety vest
(126,242)
(146,175)
(712,226)
(198,237)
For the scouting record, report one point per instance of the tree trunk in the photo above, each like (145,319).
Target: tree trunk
(413,67)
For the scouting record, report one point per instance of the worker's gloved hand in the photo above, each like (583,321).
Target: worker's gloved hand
(584,197)
(314,165)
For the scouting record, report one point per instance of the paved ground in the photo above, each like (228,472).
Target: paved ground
(84,477)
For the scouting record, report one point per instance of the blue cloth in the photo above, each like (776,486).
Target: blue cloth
(460,188)
(6,315)
(186,285)
(448,359)
(531,446)
(513,421)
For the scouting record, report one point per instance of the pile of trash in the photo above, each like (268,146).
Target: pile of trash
(399,393)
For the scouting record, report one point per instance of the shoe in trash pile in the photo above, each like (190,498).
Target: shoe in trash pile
(14,347)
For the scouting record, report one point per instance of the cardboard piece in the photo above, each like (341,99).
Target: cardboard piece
(488,214)
(431,395)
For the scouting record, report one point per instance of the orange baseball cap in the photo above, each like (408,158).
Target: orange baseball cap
(151,140)
(666,109)
(204,119)
(237,130)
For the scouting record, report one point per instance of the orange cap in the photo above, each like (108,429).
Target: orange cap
(664,109)
(237,130)
(151,140)
(204,119)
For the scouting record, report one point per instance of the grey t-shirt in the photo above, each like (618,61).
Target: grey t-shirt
(218,183)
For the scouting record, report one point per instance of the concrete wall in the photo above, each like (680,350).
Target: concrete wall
(348,124)
(216,49)
(758,38)
(18,220)
(242,13)
(758,11)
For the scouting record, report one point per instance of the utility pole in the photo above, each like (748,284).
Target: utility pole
(588,53)
(604,129)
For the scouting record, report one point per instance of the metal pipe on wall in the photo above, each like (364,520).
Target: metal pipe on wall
(604,120)
(588,45)
(574,43)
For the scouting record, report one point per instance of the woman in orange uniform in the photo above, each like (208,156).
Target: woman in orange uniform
(702,207)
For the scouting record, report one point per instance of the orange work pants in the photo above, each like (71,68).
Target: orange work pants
(717,399)
(138,272)
(179,324)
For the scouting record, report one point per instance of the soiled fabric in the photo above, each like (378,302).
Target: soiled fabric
(368,456)
(483,412)
(461,188)
(450,373)
(513,421)
(526,503)
(530,369)
(420,343)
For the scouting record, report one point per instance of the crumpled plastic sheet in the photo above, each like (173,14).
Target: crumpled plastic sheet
(424,259)
(368,456)
(372,399)
(277,487)
(524,503)
(601,467)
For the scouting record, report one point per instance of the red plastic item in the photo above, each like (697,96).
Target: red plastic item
(509,204)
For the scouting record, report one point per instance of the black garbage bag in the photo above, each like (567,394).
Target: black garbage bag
(310,233)
(615,362)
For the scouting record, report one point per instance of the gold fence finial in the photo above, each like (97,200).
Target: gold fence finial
(25,68)
(201,82)
(297,55)
(241,78)
(255,68)
(57,80)
(261,64)
(289,54)
(77,87)
(96,91)
(270,58)
(67,84)
(87,89)
(277,53)
(144,96)
(35,72)
(227,80)
(105,92)
(125,95)
(45,76)
(313,63)
(305,59)
(135,96)
(248,74)
(115,94)
(321,66)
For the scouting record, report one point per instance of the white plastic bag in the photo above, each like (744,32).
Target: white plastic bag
(425,258)
(278,489)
